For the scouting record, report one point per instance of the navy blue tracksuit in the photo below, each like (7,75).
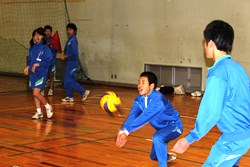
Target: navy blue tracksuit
(70,83)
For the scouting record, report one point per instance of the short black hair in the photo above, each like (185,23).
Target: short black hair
(47,27)
(72,26)
(221,33)
(152,79)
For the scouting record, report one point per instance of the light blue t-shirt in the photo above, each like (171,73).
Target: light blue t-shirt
(226,102)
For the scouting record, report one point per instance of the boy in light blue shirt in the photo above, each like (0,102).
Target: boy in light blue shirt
(226,102)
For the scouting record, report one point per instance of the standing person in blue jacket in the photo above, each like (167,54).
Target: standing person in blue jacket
(152,107)
(71,55)
(52,67)
(39,59)
(226,102)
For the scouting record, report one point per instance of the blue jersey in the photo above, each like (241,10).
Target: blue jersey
(226,102)
(71,49)
(41,54)
(155,109)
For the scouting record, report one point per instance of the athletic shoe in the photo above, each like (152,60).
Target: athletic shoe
(85,96)
(196,94)
(171,157)
(68,99)
(49,112)
(42,92)
(37,116)
(50,92)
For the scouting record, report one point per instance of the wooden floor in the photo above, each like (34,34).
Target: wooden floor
(82,135)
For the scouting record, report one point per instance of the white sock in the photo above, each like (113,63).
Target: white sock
(47,106)
(39,110)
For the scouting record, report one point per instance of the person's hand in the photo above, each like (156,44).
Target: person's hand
(181,146)
(63,56)
(34,67)
(121,140)
(26,70)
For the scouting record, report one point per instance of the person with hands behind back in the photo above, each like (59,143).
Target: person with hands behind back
(38,64)
(152,107)
(71,56)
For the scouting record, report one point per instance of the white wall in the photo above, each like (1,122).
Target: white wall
(120,36)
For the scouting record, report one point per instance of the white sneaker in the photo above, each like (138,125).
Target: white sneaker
(196,94)
(42,92)
(50,92)
(49,112)
(68,99)
(171,157)
(85,96)
(37,116)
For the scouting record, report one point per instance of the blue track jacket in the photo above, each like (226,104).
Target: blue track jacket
(71,50)
(41,54)
(158,111)
(226,102)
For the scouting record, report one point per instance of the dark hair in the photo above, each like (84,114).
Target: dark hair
(221,33)
(72,26)
(152,79)
(47,27)
(40,31)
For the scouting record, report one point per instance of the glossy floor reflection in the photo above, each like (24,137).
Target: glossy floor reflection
(81,134)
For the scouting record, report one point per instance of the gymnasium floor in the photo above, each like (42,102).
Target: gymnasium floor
(82,135)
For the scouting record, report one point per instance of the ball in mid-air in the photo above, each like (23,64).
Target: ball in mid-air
(110,102)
